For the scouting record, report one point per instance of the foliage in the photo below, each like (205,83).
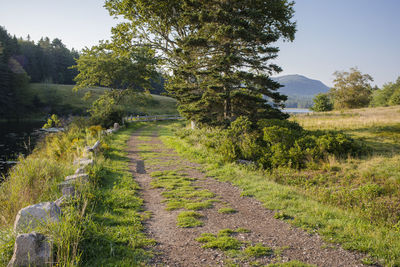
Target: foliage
(53,121)
(351,89)
(125,73)
(322,102)
(217,52)
(386,96)
(274,143)
(48,61)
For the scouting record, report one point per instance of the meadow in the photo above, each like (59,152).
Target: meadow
(61,99)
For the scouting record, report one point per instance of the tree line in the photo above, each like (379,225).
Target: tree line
(23,61)
(353,89)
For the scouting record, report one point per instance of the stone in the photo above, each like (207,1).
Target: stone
(82,177)
(83,162)
(116,126)
(80,170)
(31,249)
(68,191)
(34,215)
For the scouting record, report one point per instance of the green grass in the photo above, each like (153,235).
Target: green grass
(114,237)
(303,197)
(189,219)
(63,100)
(227,210)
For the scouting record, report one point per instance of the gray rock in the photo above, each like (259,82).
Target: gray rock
(80,170)
(82,177)
(83,162)
(31,249)
(116,126)
(34,215)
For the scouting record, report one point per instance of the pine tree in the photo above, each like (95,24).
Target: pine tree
(218,52)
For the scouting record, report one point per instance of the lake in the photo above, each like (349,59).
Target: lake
(16,138)
(296,110)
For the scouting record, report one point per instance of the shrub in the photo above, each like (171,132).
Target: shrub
(273,143)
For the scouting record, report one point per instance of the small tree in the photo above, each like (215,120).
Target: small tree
(124,73)
(351,89)
(322,102)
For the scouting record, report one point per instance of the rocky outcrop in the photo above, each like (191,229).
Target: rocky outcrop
(34,215)
(31,249)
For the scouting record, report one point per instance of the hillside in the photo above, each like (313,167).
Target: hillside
(299,85)
(62,100)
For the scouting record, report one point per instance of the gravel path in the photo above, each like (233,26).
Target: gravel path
(178,247)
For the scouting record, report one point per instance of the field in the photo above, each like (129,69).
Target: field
(61,99)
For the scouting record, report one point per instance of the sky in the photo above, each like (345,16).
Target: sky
(332,35)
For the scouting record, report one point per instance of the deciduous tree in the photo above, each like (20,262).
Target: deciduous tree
(351,89)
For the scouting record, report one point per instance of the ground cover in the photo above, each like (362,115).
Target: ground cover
(352,201)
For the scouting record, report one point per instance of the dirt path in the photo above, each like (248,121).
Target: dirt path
(177,246)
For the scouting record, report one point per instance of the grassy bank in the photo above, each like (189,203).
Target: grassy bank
(352,201)
(35,179)
(61,99)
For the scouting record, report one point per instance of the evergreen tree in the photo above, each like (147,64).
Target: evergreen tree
(218,52)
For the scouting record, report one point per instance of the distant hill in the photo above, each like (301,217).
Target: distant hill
(298,85)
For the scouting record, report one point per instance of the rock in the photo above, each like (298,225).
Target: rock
(192,125)
(83,162)
(82,177)
(31,249)
(93,148)
(116,126)
(67,188)
(245,162)
(34,215)
(53,130)
(80,170)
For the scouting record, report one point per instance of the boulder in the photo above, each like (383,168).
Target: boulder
(116,126)
(31,249)
(82,177)
(83,162)
(34,215)
(80,170)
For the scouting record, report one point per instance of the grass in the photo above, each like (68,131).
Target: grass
(353,202)
(189,219)
(63,100)
(114,236)
(227,210)
(35,179)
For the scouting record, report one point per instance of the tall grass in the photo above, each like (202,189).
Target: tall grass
(35,179)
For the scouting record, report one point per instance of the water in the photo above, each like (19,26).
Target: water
(296,110)
(16,138)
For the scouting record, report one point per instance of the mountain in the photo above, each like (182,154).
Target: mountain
(299,85)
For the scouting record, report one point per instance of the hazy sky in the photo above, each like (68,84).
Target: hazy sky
(332,34)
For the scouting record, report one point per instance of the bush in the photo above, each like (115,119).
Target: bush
(273,143)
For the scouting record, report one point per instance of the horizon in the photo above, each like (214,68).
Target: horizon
(330,36)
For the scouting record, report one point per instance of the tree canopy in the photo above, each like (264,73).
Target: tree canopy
(351,89)
(322,102)
(217,53)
